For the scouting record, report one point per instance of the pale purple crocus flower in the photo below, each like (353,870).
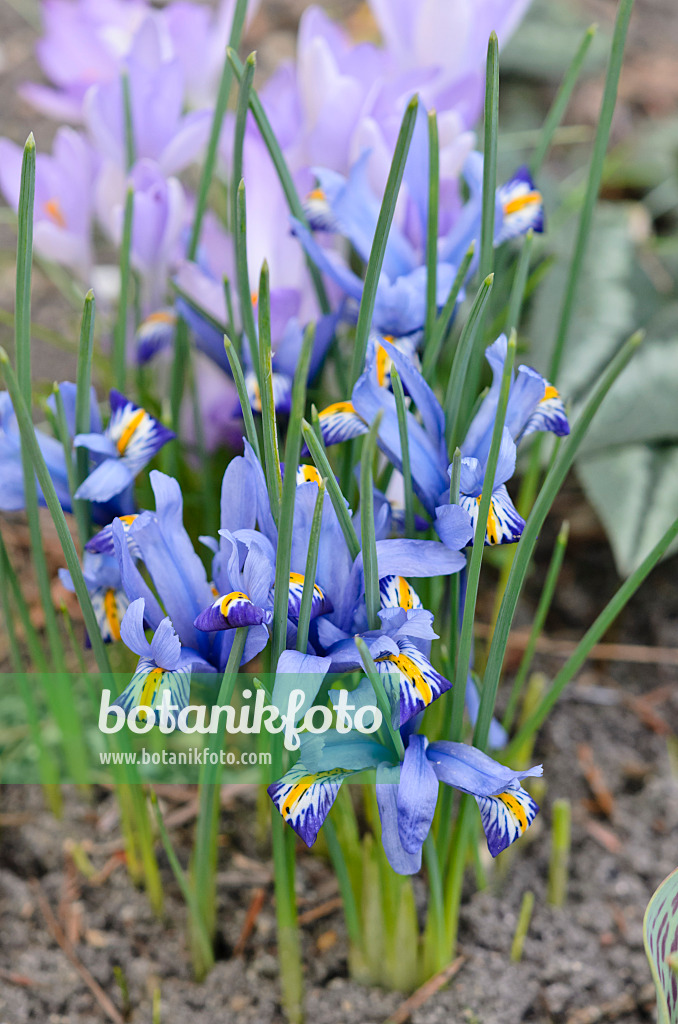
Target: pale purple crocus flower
(339,98)
(64,191)
(85,43)
(157,89)
(82,45)
(159,218)
(448,36)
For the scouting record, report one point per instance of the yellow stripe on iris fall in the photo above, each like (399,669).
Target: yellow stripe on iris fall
(130,429)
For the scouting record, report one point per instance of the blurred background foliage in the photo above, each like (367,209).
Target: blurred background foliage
(628,465)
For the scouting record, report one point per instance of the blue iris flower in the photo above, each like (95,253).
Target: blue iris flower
(101,573)
(11,472)
(157,333)
(534,405)
(407,791)
(164,665)
(128,443)
(348,206)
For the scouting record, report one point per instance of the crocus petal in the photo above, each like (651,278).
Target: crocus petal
(521,205)
(402,862)
(132,629)
(136,434)
(320,603)
(417,795)
(166,646)
(108,479)
(396,592)
(506,817)
(304,799)
(470,770)
(297,671)
(504,524)
(340,422)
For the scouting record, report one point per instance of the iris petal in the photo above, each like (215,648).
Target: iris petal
(506,817)
(504,524)
(304,799)
(340,422)
(230,611)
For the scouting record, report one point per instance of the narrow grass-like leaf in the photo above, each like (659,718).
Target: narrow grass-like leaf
(343,876)
(542,611)
(243,276)
(460,364)
(22,340)
(241,125)
(490,157)
(29,441)
(198,932)
(310,570)
(378,250)
(475,561)
(230,318)
(432,223)
(33,639)
(220,106)
(128,121)
(519,283)
(593,184)
(369,540)
(289,946)
(535,521)
(24,261)
(594,634)
(434,342)
(178,379)
(293,201)
(561,101)
(46,764)
(203,867)
(82,399)
(269,424)
(64,438)
(322,463)
(239,378)
(289,491)
(381,696)
(120,334)
(401,409)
